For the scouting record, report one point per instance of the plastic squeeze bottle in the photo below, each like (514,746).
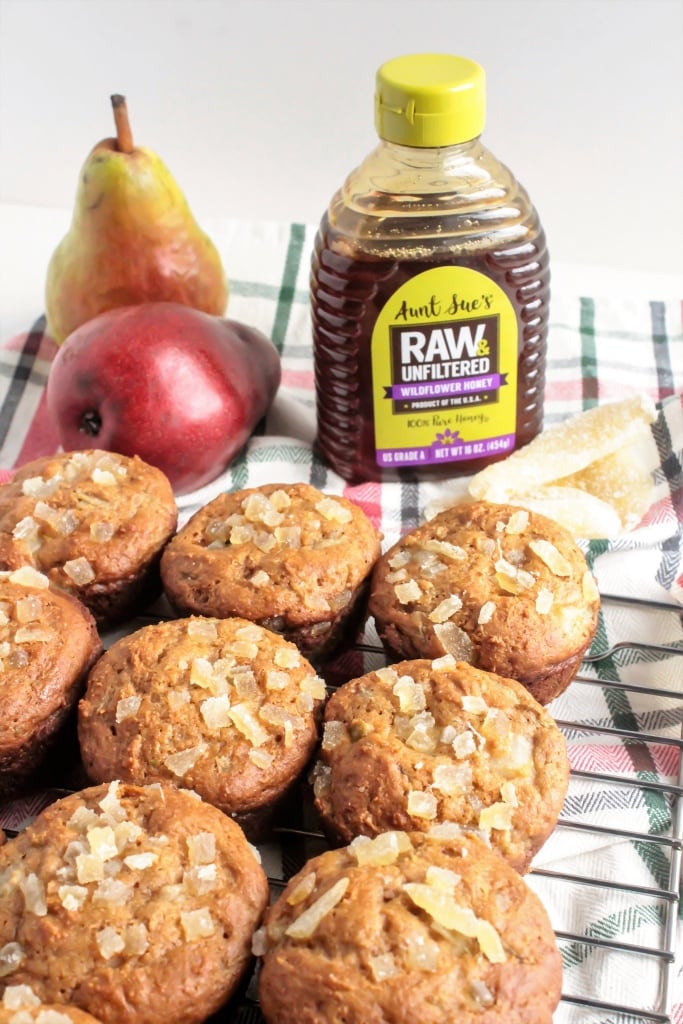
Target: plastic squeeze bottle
(429,290)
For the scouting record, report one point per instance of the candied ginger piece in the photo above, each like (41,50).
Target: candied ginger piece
(407,592)
(565,449)
(422,805)
(27,576)
(80,571)
(454,640)
(445,609)
(381,850)
(305,925)
(333,510)
(550,556)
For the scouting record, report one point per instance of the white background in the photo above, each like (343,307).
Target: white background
(261,107)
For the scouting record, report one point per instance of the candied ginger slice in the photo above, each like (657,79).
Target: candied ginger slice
(564,449)
(305,925)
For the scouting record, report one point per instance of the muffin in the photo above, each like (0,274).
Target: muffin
(423,742)
(95,523)
(288,557)
(136,904)
(40,1013)
(434,928)
(48,642)
(220,706)
(500,587)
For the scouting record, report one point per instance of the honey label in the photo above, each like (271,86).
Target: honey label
(444,370)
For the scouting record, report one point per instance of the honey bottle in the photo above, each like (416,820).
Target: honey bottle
(429,290)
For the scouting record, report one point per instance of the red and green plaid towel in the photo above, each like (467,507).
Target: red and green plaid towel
(602,347)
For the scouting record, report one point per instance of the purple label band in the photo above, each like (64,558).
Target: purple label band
(445,452)
(444,388)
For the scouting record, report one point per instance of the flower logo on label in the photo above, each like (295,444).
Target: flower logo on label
(447,437)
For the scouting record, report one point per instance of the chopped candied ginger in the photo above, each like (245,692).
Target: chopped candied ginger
(302,890)
(511,578)
(422,805)
(287,657)
(216,712)
(422,732)
(183,761)
(383,966)
(33,634)
(80,571)
(127,707)
(589,587)
(518,522)
(473,704)
(197,924)
(408,592)
(314,686)
(496,816)
(202,629)
(410,694)
(334,733)
(551,557)
(33,890)
(11,957)
(103,477)
(446,609)
(442,878)
(27,576)
(247,724)
(304,926)
(454,640)
(101,531)
(333,510)
(447,550)
(439,904)
(450,779)
(544,600)
(446,661)
(381,850)
(201,848)
(109,942)
(486,613)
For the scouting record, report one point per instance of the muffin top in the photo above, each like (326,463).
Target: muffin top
(431,927)
(48,640)
(20,1006)
(85,518)
(422,742)
(135,903)
(221,706)
(497,586)
(279,551)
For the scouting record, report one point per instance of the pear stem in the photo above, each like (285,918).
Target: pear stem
(124,135)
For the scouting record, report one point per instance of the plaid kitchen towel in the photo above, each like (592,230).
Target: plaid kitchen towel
(602,347)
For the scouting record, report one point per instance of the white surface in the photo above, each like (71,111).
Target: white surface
(261,107)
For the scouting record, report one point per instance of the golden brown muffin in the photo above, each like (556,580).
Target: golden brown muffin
(287,556)
(500,587)
(94,522)
(423,742)
(41,1013)
(220,706)
(137,904)
(408,928)
(48,642)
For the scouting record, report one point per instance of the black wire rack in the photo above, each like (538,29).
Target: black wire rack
(656,964)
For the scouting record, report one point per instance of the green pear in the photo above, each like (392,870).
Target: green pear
(132,239)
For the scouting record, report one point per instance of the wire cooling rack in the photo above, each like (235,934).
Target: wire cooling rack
(655,963)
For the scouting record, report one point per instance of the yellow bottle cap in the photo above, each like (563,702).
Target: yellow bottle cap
(429,100)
